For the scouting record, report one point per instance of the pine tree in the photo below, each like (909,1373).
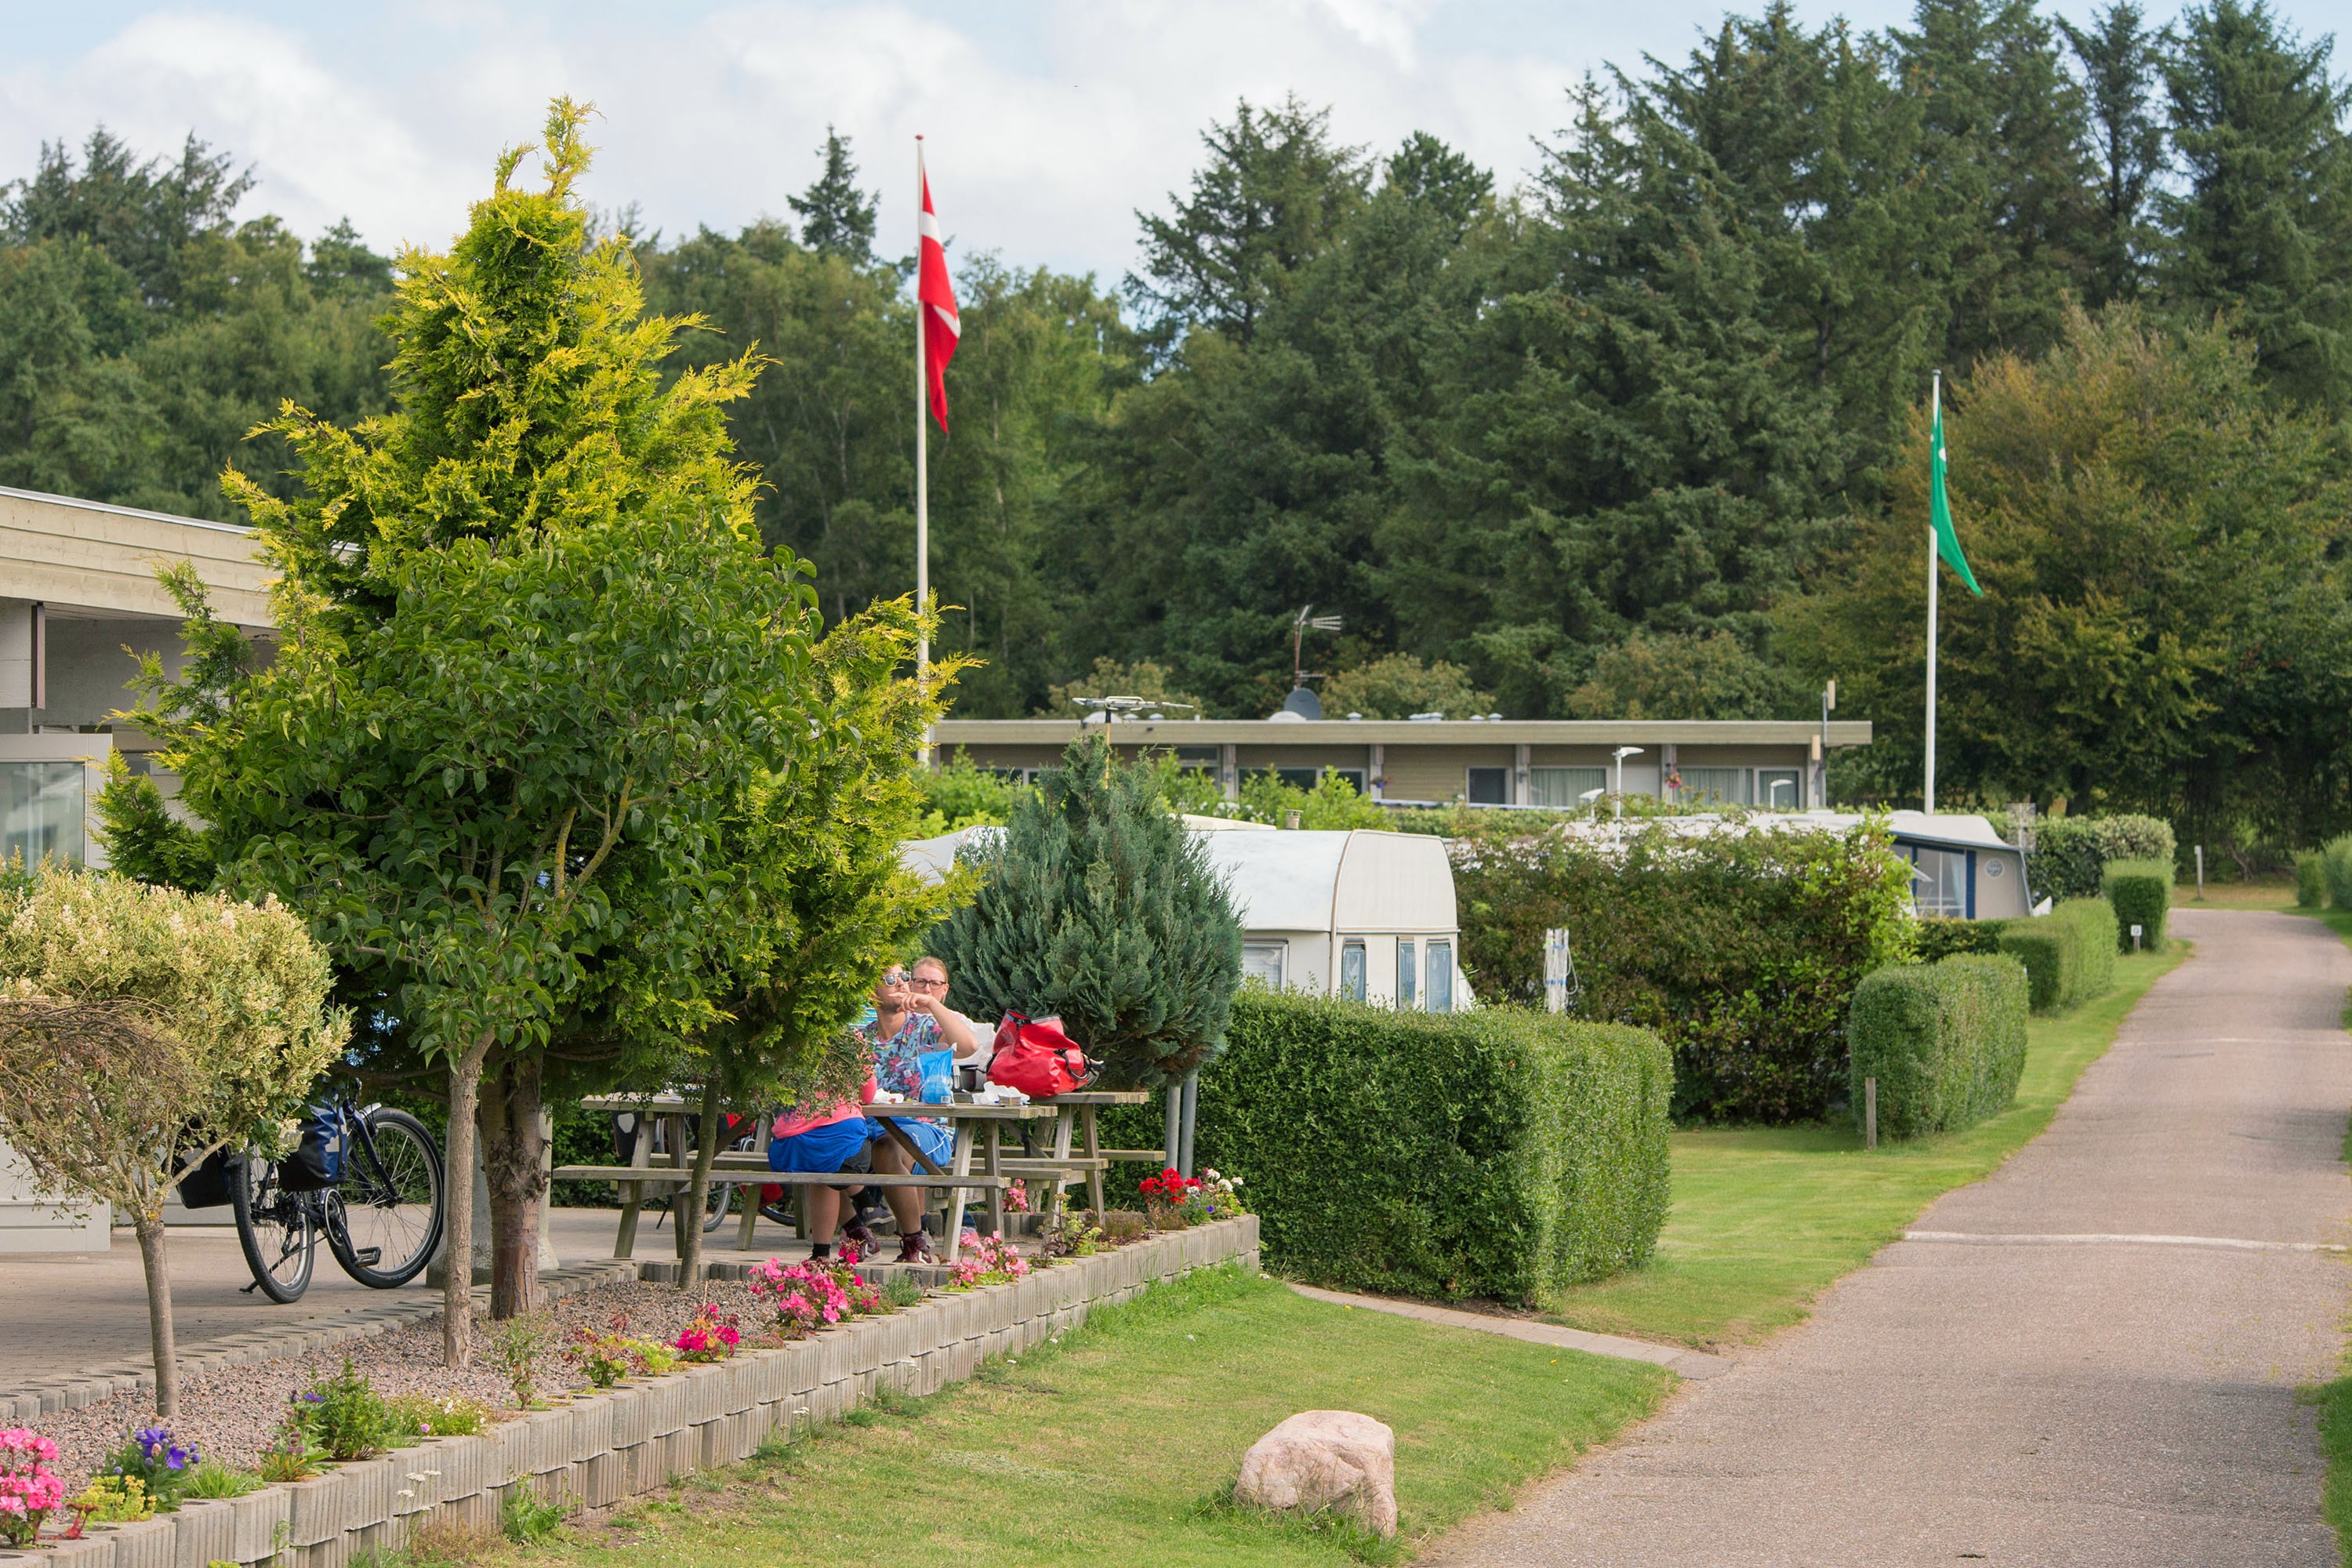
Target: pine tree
(1097,907)
(836,217)
(2264,229)
(2120,57)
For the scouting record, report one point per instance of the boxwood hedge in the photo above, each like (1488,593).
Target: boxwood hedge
(2070,853)
(1499,1152)
(2069,953)
(1946,1042)
(2141,892)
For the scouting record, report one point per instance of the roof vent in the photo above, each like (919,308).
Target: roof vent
(1426,718)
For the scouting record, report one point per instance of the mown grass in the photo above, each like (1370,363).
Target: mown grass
(1114,1448)
(2335,1398)
(1765,1218)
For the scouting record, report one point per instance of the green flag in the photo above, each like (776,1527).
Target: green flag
(1939,510)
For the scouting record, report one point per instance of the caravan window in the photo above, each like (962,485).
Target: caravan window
(1352,972)
(1939,883)
(1262,961)
(1406,972)
(1441,977)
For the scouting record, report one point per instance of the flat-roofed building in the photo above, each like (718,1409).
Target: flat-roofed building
(1772,764)
(78,607)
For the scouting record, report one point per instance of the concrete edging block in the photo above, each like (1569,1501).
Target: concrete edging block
(315,1509)
(202,1530)
(258,1517)
(592,1427)
(145,1544)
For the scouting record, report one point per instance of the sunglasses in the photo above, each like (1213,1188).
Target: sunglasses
(895,977)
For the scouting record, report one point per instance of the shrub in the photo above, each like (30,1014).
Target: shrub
(2310,879)
(2141,891)
(2072,853)
(2069,953)
(1499,1153)
(1941,938)
(1946,1042)
(1741,949)
(346,1417)
(2335,871)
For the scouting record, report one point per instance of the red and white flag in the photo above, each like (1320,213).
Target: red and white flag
(935,298)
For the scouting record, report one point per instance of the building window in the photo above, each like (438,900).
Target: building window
(41,811)
(1780,789)
(1406,973)
(1441,977)
(1307,778)
(1262,961)
(1939,883)
(1352,972)
(1714,786)
(1200,759)
(1489,787)
(1560,788)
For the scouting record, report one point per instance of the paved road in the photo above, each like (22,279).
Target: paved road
(2076,1402)
(61,1312)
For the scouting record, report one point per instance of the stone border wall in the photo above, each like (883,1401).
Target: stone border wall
(603,1448)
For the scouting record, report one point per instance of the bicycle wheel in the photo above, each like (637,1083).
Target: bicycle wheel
(383,1222)
(273,1228)
(716,1204)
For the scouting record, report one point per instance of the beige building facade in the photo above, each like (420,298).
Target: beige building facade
(1774,765)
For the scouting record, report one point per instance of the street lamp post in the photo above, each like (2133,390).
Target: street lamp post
(1622,753)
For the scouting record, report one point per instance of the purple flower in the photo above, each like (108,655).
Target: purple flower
(178,1457)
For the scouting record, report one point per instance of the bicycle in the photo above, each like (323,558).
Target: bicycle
(368,1178)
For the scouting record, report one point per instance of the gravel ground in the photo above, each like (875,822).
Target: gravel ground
(230,1414)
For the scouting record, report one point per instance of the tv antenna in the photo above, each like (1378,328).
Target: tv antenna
(1105,709)
(1306,621)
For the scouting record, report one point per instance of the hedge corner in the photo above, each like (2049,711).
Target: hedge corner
(1946,1042)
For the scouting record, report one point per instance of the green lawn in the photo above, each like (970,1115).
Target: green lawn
(1765,1218)
(1111,1448)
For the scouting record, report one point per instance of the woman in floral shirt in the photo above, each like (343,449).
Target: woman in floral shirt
(908,1023)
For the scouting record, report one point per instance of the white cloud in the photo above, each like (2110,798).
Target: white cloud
(1041,154)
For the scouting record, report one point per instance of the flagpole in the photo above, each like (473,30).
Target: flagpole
(1935,418)
(922,448)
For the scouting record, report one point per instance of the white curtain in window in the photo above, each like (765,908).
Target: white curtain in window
(1559,787)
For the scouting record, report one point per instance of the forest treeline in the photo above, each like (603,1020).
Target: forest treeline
(1645,436)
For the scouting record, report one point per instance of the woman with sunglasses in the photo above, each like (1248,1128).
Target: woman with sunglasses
(910,1021)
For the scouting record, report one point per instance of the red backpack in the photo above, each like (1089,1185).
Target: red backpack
(1036,1058)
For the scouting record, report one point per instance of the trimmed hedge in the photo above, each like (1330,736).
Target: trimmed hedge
(2335,870)
(1499,1152)
(2310,879)
(1740,948)
(1941,938)
(2141,891)
(2069,953)
(1946,1042)
(2072,853)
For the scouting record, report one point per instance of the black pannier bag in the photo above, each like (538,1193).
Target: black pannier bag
(207,1186)
(317,1161)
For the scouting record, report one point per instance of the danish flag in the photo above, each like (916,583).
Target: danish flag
(934,298)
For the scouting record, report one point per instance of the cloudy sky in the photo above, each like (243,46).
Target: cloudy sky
(1048,122)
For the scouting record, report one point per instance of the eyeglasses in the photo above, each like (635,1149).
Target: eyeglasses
(925,984)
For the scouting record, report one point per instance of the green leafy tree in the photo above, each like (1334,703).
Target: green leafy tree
(1683,676)
(529,648)
(1398,686)
(2265,226)
(2161,558)
(836,217)
(142,1030)
(1096,906)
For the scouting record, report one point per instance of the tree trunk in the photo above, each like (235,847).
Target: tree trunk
(149,1227)
(513,1160)
(688,1214)
(457,1249)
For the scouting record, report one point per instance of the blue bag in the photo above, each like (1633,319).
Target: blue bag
(939,1076)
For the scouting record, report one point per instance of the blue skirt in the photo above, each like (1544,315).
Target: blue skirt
(935,1138)
(820,1151)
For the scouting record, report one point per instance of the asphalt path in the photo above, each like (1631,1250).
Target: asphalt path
(2089,1358)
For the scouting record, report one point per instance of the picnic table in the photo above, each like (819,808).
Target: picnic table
(979,1129)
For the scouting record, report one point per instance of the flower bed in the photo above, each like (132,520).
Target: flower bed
(598,1448)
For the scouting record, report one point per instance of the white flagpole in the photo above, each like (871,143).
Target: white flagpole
(1935,412)
(923,436)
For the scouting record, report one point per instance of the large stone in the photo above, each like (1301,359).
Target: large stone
(1319,1462)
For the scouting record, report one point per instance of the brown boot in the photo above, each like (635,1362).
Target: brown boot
(916,1248)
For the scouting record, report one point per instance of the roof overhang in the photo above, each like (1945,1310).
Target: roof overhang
(92,561)
(953,732)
